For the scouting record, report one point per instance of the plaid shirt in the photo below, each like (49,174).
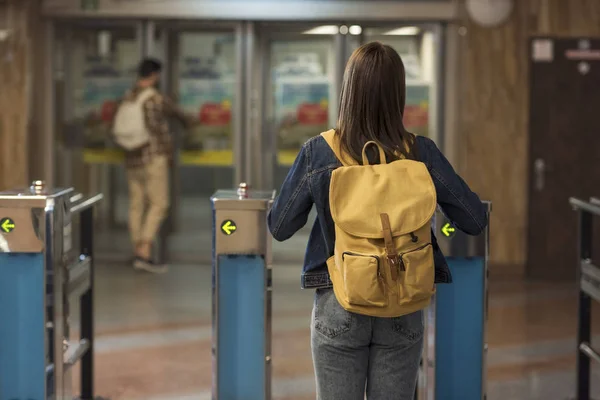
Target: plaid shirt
(157,111)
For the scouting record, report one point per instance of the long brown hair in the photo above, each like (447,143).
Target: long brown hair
(372,103)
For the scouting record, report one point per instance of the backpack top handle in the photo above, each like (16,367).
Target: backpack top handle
(365,159)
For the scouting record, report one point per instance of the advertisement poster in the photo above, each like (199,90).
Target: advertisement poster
(301,112)
(210,101)
(97,110)
(416,110)
(103,86)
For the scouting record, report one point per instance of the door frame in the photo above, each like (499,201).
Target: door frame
(262,144)
(61,69)
(262,170)
(172,31)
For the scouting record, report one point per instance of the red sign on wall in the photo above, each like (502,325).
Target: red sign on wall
(215,114)
(416,116)
(109,108)
(312,114)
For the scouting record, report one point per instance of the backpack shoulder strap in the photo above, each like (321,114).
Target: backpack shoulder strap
(146,94)
(333,140)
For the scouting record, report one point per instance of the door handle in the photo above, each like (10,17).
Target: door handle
(539,167)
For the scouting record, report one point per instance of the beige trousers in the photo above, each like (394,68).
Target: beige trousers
(148,199)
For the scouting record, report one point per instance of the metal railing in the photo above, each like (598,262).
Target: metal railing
(589,288)
(81,282)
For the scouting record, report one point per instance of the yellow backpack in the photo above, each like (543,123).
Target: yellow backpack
(383,261)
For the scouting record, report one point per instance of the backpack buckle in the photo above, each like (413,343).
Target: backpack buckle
(396,265)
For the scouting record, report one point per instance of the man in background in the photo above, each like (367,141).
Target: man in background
(141,128)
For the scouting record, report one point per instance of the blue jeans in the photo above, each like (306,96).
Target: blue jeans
(356,353)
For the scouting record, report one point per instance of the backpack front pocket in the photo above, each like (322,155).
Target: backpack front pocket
(363,283)
(417,283)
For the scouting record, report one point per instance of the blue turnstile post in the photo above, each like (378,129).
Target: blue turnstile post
(454,360)
(241,295)
(38,276)
(32,223)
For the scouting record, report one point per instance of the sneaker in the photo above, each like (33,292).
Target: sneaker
(141,264)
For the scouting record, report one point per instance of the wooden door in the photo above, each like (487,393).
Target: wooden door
(564,149)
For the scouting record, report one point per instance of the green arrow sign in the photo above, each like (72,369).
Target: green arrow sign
(228,227)
(448,230)
(7,225)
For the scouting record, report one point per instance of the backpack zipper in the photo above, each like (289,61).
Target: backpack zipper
(416,249)
(402,267)
(349,253)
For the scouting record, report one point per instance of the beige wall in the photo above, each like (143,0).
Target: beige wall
(493,121)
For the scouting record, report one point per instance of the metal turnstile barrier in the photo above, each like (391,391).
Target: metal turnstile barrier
(241,296)
(40,272)
(455,349)
(589,288)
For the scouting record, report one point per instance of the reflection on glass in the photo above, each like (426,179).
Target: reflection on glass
(206,91)
(301,85)
(102,69)
(416,46)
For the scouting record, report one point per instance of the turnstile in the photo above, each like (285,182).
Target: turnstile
(39,273)
(589,292)
(241,310)
(454,357)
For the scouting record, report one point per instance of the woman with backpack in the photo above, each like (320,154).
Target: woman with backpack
(371,255)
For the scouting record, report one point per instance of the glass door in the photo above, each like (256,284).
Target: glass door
(301,84)
(95,63)
(301,75)
(203,78)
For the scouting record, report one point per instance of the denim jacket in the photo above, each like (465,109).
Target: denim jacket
(307,185)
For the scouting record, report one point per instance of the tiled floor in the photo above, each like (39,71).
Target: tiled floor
(153,332)
(153,336)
